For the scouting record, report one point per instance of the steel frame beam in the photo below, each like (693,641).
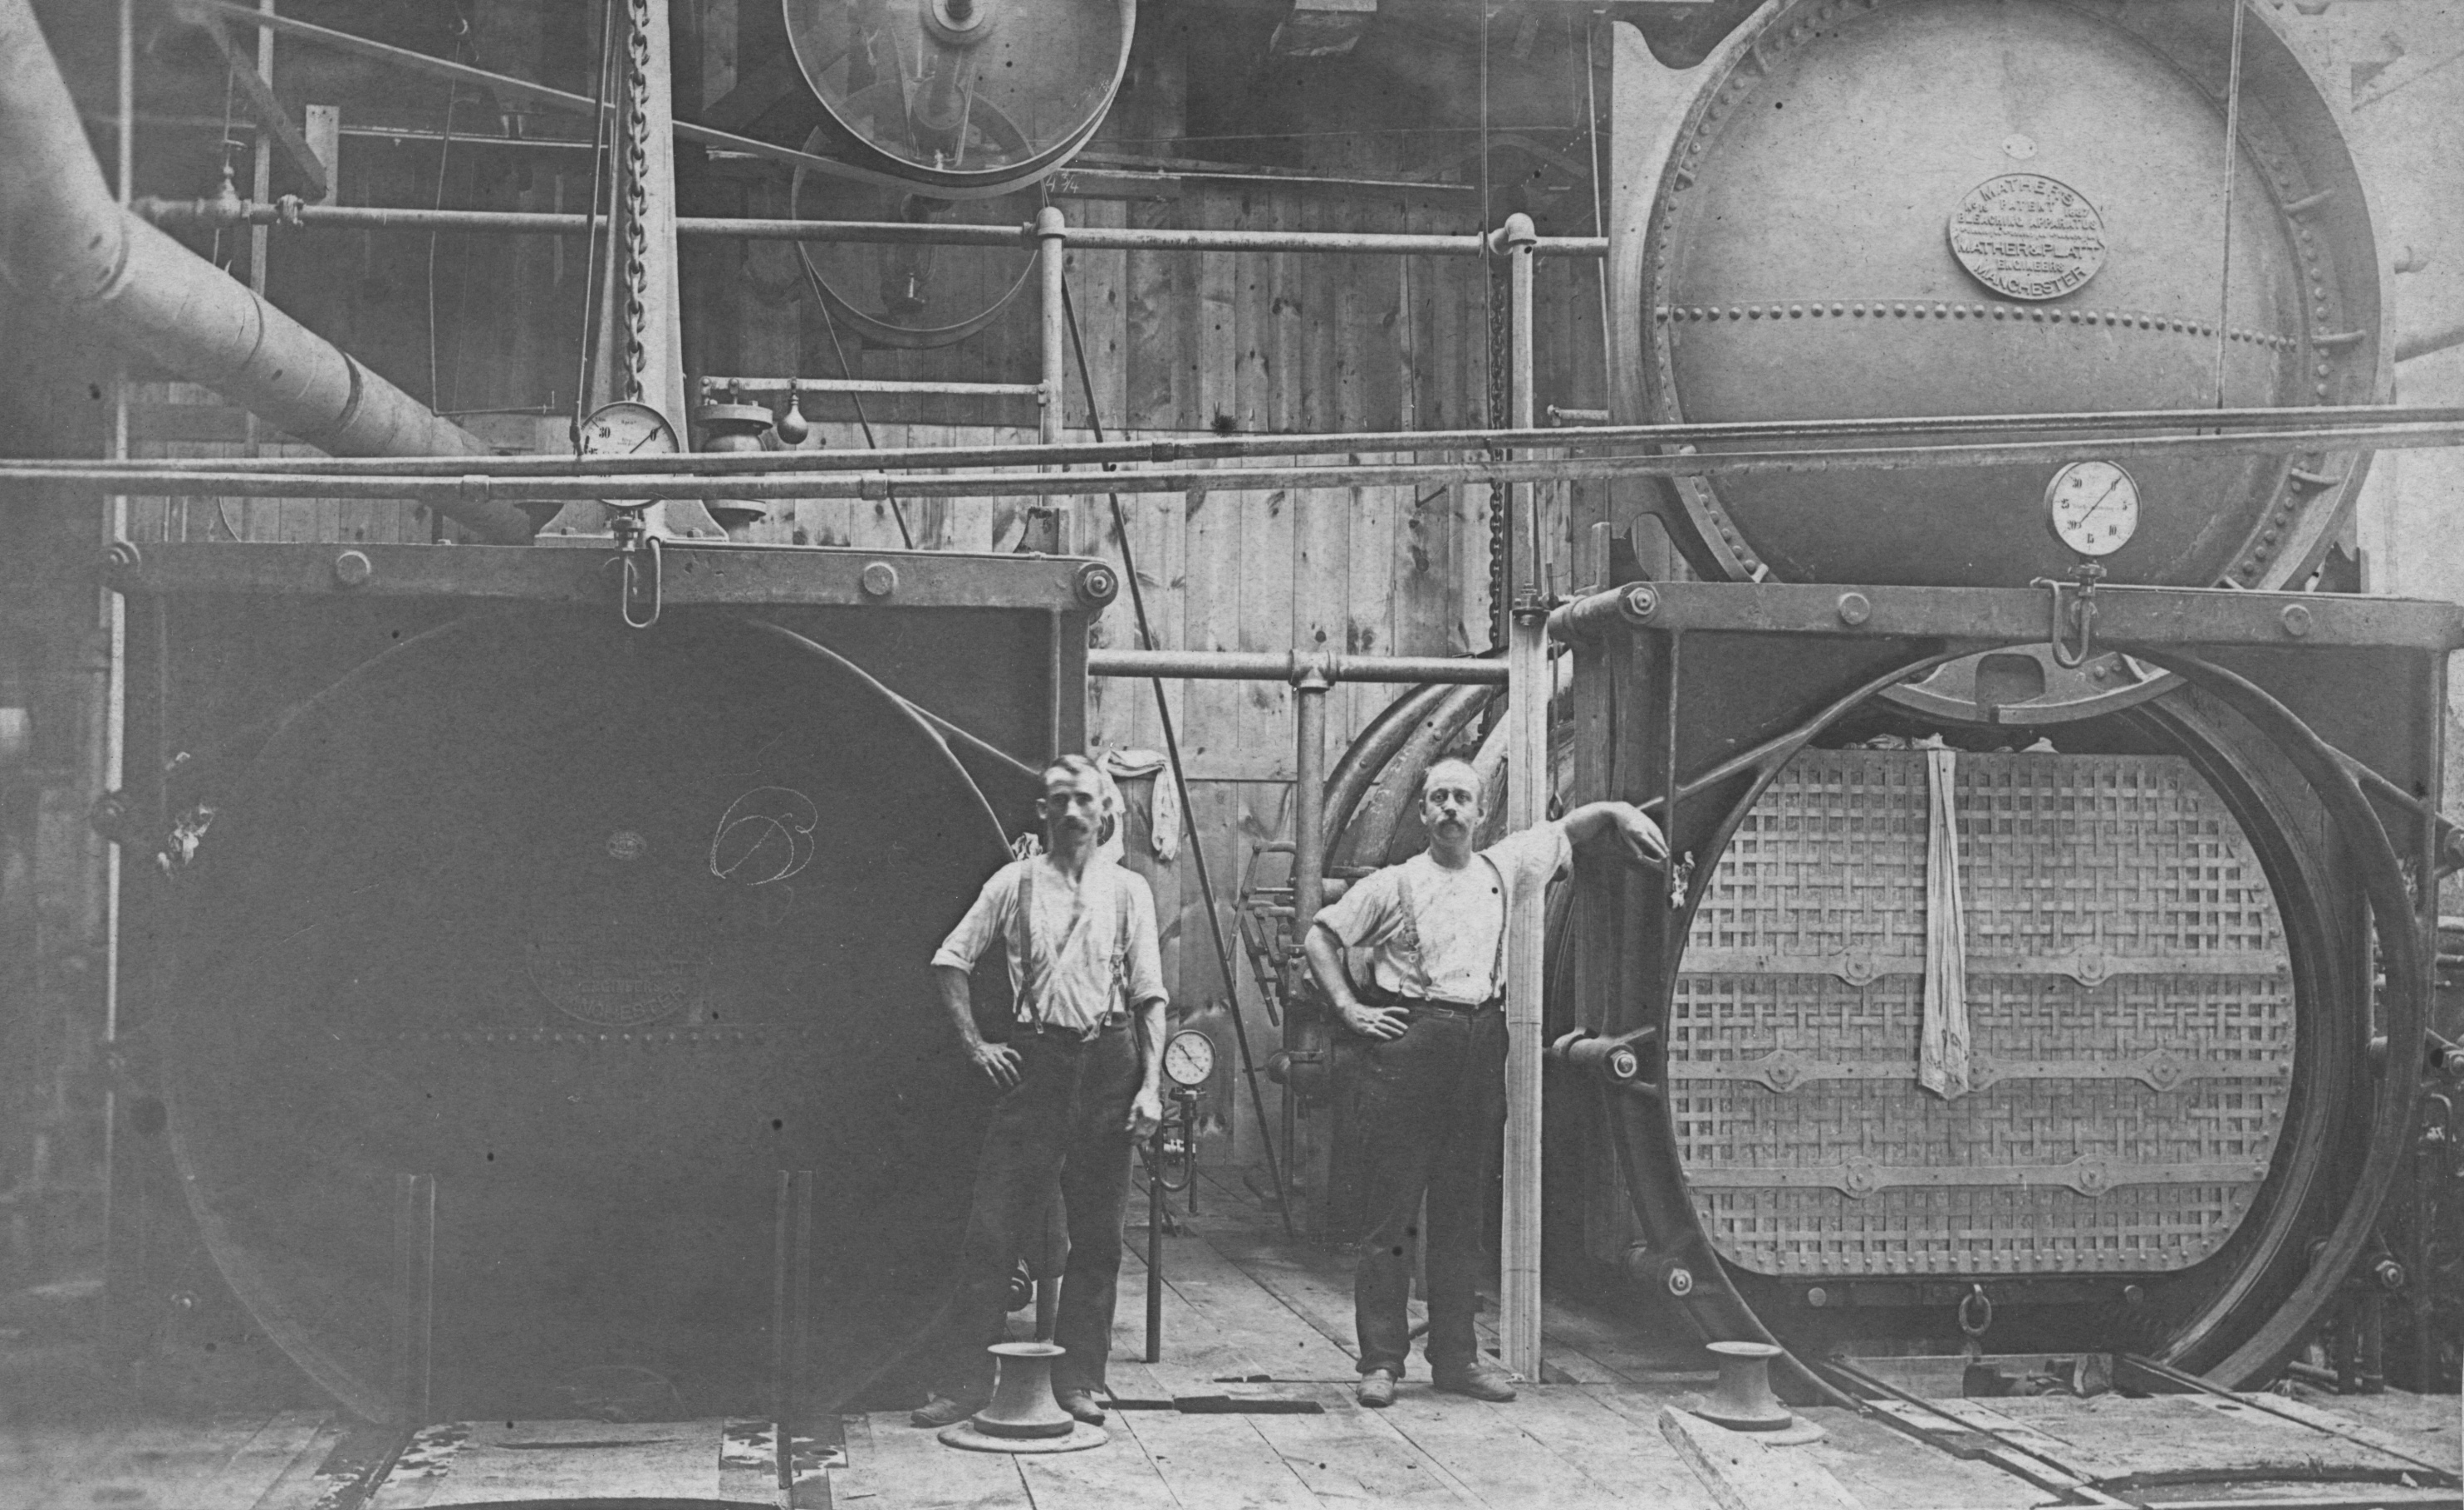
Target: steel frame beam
(694,575)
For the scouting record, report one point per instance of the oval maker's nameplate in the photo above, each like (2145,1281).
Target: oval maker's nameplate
(2027,236)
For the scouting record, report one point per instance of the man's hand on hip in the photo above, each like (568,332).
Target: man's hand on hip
(1373,1022)
(1146,1113)
(998,1060)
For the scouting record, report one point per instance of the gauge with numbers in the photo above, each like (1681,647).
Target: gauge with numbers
(2093,507)
(626,428)
(1189,1057)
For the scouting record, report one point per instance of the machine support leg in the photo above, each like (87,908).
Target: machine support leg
(1526,802)
(791,1281)
(414,1273)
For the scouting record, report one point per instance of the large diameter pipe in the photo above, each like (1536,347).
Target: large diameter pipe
(65,242)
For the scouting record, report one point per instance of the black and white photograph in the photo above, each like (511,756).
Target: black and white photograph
(1231,754)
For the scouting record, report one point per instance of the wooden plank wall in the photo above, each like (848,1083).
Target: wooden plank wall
(1176,344)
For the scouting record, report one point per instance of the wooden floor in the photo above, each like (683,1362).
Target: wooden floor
(1245,1315)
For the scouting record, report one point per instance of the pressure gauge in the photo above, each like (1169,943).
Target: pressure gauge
(1189,1057)
(629,428)
(2092,506)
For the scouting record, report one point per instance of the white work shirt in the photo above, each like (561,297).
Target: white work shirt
(1434,933)
(1090,944)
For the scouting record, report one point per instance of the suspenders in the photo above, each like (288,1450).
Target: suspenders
(1410,929)
(1034,971)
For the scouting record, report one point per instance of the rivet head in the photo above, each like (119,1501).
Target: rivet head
(2296,620)
(1854,608)
(1818,1297)
(878,579)
(353,568)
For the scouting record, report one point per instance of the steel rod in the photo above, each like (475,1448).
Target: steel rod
(2330,423)
(481,486)
(713,387)
(1086,238)
(1264,665)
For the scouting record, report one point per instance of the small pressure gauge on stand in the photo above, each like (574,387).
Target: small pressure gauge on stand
(2092,508)
(1189,1059)
(1188,1063)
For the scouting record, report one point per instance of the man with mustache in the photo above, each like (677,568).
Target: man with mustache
(1433,1068)
(1080,1077)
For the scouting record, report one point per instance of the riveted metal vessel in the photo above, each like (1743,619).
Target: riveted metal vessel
(1903,208)
(595,935)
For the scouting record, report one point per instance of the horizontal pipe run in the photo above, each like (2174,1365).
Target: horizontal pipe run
(713,387)
(479,486)
(895,232)
(1244,446)
(1255,665)
(505,88)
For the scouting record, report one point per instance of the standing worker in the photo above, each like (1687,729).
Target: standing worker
(1433,1083)
(1080,1080)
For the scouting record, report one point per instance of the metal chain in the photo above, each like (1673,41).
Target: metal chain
(1501,398)
(637,166)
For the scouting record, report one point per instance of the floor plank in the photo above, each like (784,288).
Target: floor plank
(894,1466)
(1210,1462)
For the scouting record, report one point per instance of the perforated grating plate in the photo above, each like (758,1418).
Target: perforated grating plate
(2130,1011)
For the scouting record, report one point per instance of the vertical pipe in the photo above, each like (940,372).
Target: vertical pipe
(115,695)
(1301,1034)
(260,170)
(1051,245)
(1526,802)
(1155,1249)
(1308,799)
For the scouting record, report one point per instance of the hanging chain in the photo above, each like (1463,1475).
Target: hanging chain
(637,168)
(1500,406)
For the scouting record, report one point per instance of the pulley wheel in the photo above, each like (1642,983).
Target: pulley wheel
(968,95)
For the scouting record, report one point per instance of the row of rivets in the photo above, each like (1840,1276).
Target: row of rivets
(554,1036)
(2016,314)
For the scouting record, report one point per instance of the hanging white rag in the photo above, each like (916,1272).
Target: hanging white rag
(1164,808)
(1942,1056)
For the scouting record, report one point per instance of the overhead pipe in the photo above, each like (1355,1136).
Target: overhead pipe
(65,242)
(2338,420)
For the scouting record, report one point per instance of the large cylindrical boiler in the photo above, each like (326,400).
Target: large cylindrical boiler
(600,930)
(1886,208)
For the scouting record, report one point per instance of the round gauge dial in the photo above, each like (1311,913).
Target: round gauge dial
(1189,1057)
(2093,507)
(629,428)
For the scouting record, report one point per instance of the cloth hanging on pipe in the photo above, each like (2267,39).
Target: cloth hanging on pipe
(1942,1054)
(1164,808)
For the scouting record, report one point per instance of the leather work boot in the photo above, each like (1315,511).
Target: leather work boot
(1480,1379)
(1081,1404)
(1378,1388)
(946,1411)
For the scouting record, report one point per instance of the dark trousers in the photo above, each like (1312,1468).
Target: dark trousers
(1062,1125)
(1432,1106)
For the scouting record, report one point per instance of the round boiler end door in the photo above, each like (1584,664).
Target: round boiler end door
(2092,506)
